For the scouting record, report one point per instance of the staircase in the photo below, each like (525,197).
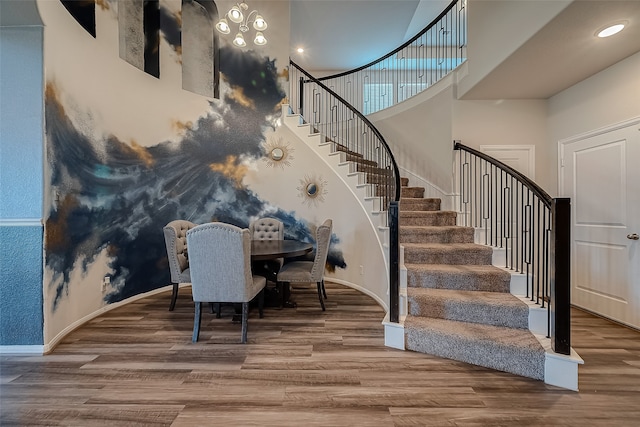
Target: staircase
(459,305)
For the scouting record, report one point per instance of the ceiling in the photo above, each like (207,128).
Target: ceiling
(341,35)
(345,34)
(564,52)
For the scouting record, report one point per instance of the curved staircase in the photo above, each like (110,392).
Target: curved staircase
(459,305)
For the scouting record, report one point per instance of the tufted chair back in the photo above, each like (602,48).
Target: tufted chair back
(323,238)
(175,239)
(266,229)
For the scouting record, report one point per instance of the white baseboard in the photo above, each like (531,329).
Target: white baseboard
(34,350)
(394,333)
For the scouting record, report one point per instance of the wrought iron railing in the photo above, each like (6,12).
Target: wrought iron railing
(411,68)
(515,214)
(348,131)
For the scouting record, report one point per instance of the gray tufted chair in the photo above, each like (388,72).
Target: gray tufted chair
(310,271)
(220,264)
(267,229)
(175,239)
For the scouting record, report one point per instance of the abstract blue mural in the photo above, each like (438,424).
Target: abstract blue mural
(116,197)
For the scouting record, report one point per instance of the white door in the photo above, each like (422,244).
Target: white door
(600,171)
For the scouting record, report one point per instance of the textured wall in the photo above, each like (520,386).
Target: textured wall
(21,316)
(21,148)
(21,186)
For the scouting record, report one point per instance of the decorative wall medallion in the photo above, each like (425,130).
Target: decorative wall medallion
(312,190)
(278,153)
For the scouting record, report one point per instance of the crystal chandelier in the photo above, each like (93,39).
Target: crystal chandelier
(238,14)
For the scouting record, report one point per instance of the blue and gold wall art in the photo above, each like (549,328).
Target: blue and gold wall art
(111,198)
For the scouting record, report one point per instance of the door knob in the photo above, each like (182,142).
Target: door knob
(633,236)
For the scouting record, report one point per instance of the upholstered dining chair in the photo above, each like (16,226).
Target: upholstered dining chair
(310,271)
(267,229)
(220,264)
(175,239)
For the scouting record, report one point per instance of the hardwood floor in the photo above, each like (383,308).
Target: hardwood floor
(136,365)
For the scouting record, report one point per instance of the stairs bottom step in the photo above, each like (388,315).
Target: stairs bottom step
(510,350)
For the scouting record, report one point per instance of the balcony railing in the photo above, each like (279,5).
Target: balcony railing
(349,132)
(411,68)
(515,214)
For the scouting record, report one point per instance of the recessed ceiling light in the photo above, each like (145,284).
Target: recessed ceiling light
(300,50)
(610,30)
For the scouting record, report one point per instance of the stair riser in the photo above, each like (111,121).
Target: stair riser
(450,256)
(430,235)
(474,312)
(408,204)
(460,282)
(429,219)
(413,192)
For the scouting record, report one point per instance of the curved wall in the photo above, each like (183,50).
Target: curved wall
(128,152)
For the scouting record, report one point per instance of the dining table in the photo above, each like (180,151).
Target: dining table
(262,250)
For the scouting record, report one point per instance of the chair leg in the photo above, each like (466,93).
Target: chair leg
(174,297)
(320,295)
(324,291)
(245,316)
(261,303)
(218,310)
(280,289)
(196,322)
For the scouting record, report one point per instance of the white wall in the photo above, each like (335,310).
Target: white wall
(506,122)
(497,28)
(609,97)
(419,132)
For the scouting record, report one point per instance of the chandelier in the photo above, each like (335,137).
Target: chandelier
(238,14)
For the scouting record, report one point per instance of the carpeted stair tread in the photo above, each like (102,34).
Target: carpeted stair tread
(505,349)
(427,218)
(490,308)
(419,204)
(460,277)
(447,253)
(436,234)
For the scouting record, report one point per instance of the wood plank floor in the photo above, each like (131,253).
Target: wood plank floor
(136,365)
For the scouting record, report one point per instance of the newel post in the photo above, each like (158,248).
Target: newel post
(394,262)
(560,309)
(301,96)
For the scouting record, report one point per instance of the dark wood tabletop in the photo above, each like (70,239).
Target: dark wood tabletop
(271,249)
